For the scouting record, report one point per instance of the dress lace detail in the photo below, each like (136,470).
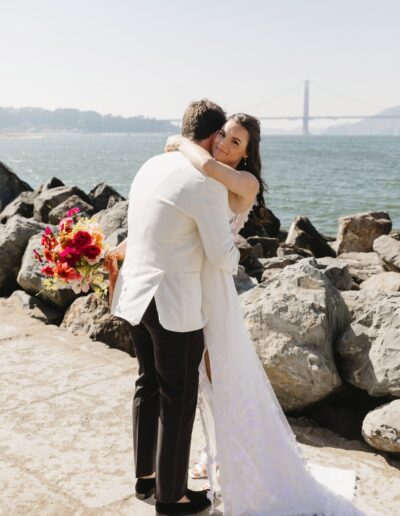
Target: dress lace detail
(262,470)
(237,221)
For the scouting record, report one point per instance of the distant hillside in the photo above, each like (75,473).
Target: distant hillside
(388,126)
(37,119)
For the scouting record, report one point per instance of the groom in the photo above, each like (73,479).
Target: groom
(176,214)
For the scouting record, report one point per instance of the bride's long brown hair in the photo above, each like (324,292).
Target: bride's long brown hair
(252,163)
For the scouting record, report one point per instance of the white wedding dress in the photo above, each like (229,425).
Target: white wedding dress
(262,471)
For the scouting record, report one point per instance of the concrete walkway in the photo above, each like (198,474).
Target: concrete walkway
(66,430)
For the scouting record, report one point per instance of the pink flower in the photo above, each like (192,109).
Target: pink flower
(81,239)
(70,255)
(72,212)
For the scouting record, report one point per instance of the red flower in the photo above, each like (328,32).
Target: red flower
(65,272)
(72,212)
(48,270)
(81,240)
(91,251)
(70,255)
(48,241)
(48,231)
(45,240)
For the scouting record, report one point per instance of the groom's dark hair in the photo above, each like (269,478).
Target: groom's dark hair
(201,119)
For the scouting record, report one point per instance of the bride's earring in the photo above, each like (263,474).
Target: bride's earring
(245,161)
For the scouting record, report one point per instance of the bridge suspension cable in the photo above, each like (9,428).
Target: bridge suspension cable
(276,96)
(361,102)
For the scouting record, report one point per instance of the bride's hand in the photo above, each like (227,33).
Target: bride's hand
(173,143)
(111,261)
(111,264)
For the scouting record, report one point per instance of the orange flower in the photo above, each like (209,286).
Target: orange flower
(48,255)
(65,272)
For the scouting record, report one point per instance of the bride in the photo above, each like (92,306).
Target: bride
(261,468)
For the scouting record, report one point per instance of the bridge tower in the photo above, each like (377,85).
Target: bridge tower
(306,107)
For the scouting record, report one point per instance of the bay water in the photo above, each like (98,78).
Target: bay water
(320,177)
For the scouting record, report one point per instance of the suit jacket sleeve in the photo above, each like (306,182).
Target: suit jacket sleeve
(210,211)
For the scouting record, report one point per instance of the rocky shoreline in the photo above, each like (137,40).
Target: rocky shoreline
(323,311)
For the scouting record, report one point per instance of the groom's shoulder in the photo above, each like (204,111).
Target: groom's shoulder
(167,160)
(175,169)
(169,163)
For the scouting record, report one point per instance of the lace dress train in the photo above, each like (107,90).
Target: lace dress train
(262,471)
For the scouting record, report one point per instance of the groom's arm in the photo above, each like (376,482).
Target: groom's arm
(210,211)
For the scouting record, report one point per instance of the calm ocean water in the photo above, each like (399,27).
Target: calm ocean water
(321,177)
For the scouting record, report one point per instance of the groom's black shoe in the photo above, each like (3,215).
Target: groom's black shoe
(198,503)
(145,487)
(193,495)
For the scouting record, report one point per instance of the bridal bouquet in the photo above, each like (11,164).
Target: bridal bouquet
(73,255)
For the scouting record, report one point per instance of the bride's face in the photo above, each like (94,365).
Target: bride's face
(230,144)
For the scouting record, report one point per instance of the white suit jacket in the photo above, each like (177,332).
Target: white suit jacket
(175,215)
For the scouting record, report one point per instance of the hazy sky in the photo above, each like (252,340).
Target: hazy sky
(152,57)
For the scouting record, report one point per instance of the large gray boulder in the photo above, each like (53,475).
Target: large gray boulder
(10,186)
(357,232)
(381,427)
(369,348)
(52,182)
(302,234)
(91,316)
(245,249)
(113,218)
(261,222)
(30,278)
(337,272)
(101,195)
(269,245)
(361,265)
(273,265)
(74,201)
(14,237)
(51,198)
(293,320)
(116,237)
(36,308)
(388,250)
(385,282)
(280,262)
(21,205)
(359,302)
(285,249)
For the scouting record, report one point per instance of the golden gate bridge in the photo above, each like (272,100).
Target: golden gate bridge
(305,117)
